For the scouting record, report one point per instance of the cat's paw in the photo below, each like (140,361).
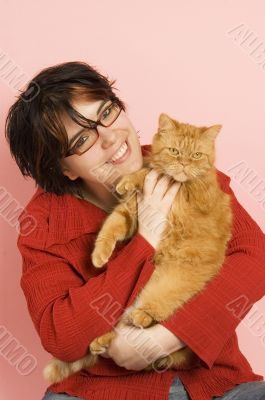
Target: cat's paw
(163,363)
(125,186)
(102,253)
(149,368)
(98,346)
(101,343)
(140,318)
(158,257)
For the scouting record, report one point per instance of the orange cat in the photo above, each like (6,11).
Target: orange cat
(194,241)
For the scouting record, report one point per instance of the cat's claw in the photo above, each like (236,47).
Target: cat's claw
(140,318)
(96,347)
(97,259)
(101,253)
(124,187)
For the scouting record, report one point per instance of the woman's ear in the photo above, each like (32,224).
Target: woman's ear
(67,172)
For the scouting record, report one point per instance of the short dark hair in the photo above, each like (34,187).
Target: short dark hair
(34,130)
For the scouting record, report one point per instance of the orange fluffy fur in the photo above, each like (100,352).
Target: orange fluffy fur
(193,246)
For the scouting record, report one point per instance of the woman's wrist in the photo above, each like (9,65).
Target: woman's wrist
(148,237)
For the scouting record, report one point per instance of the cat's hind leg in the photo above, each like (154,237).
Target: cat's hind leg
(181,359)
(101,343)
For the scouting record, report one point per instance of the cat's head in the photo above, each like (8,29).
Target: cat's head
(183,151)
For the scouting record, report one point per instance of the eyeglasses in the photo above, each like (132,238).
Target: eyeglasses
(90,136)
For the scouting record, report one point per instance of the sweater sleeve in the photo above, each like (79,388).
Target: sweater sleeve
(67,312)
(210,318)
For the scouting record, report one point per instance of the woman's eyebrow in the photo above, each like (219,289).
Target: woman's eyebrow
(82,130)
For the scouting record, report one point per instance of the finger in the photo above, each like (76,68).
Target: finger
(150,182)
(170,194)
(105,355)
(161,187)
(139,197)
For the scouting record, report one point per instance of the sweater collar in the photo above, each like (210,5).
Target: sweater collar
(70,217)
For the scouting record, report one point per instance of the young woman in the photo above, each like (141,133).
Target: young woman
(74,138)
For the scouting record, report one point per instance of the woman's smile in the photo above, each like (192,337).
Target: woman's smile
(121,155)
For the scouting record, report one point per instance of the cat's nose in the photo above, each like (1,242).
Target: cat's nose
(184,162)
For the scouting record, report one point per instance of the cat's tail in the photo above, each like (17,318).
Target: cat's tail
(56,370)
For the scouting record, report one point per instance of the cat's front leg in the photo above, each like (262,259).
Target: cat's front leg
(140,318)
(119,225)
(104,246)
(132,182)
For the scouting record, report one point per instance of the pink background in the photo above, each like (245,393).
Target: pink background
(167,56)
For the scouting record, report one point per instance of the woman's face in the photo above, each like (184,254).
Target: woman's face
(94,166)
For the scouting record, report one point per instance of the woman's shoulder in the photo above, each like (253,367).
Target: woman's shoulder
(57,219)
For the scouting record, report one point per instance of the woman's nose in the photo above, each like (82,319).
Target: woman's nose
(107,135)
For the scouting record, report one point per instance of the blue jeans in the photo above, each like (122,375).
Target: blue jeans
(244,391)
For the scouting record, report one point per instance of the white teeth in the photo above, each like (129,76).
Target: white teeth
(122,150)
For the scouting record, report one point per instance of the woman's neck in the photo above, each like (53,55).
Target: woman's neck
(100,196)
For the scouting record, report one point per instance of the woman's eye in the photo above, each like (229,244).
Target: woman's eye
(107,112)
(81,141)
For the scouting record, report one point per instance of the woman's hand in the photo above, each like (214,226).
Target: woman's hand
(153,206)
(135,348)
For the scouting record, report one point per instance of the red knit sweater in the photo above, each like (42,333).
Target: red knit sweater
(59,283)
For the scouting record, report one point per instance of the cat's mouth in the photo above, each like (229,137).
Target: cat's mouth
(181,176)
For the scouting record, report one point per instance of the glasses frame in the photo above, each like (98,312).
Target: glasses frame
(93,125)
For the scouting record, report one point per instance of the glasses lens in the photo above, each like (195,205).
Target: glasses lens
(85,141)
(110,114)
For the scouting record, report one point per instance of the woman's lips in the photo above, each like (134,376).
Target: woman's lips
(124,157)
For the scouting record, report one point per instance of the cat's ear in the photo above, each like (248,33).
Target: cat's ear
(212,132)
(165,123)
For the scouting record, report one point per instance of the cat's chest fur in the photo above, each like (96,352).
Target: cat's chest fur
(178,225)
(186,218)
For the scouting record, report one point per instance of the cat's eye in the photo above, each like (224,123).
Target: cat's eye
(174,150)
(197,155)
